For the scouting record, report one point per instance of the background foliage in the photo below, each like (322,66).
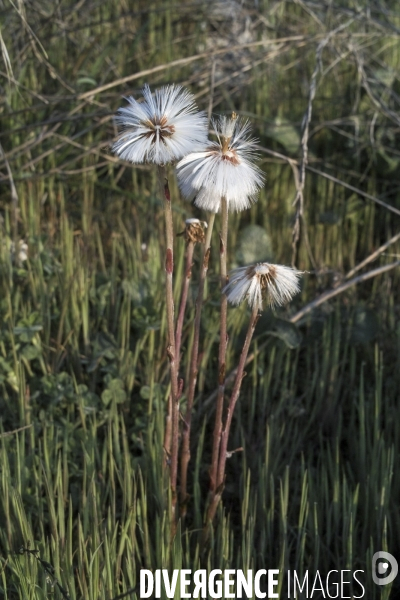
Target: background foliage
(82,357)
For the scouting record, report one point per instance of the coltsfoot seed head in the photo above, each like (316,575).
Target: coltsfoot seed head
(194,230)
(162,128)
(276,283)
(224,169)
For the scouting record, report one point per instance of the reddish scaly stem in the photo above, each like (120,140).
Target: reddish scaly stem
(234,397)
(185,452)
(171,351)
(168,433)
(222,349)
(182,307)
(223,454)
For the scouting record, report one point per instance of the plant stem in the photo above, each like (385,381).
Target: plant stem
(14,203)
(223,341)
(234,397)
(169,268)
(185,453)
(182,307)
(223,454)
(168,433)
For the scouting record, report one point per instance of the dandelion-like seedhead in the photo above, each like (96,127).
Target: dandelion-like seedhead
(224,169)
(162,128)
(276,283)
(194,230)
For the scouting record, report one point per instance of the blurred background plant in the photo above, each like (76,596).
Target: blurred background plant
(82,357)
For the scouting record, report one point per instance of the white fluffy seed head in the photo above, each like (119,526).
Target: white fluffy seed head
(224,169)
(162,128)
(196,222)
(276,283)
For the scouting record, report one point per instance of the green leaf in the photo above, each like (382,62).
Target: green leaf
(254,245)
(86,80)
(106,397)
(115,391)
(30,352)
(28,327)
(287,332)
(284,133)
(145,392)
(158,391)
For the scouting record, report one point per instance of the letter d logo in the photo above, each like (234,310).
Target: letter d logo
(382,567)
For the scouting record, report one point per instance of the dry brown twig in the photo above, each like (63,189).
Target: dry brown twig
(293,163)
(14,197)
(185,61)
(300,179)
(373,256)
(377,102)
(340,289)
(14,431)
(29,145)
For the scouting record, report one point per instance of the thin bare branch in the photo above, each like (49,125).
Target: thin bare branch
(300,180)
(358,191)
(185,61)
(14,431)
(324,297)
(373,256)
(340,289)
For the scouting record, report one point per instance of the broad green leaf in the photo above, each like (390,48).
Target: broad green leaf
(254,245)
(287,332)
(284,133)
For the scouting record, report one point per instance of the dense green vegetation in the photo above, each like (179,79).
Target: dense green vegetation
(82,340)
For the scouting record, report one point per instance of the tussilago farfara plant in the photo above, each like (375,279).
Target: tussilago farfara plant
(219,176)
